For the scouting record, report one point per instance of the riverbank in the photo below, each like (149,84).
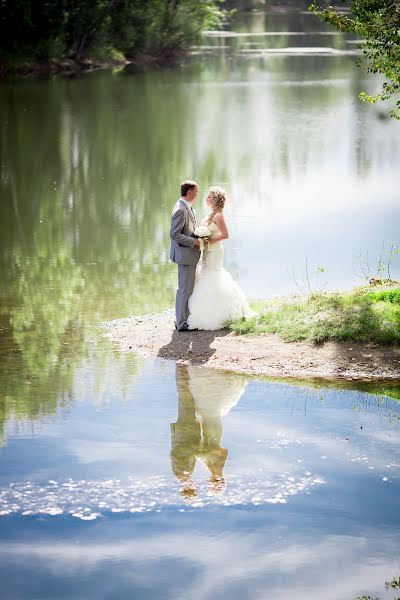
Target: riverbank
(74,68)
(50,68)
(267,354)
(43,39)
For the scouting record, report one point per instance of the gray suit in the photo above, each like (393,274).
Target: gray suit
(186,255)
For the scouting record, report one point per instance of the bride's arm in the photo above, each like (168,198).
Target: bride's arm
(220,221)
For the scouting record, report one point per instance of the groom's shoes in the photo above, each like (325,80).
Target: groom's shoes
(182,329)
(185,329)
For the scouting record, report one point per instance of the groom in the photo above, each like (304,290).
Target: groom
(185,250)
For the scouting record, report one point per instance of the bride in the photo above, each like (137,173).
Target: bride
(216,297)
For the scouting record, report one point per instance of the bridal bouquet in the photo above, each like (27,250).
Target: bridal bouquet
(203,233)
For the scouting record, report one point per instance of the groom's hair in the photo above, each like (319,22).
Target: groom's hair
(186,186)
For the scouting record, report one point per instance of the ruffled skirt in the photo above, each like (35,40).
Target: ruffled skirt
(216,300)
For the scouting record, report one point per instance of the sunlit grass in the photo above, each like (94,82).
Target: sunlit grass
(361,315)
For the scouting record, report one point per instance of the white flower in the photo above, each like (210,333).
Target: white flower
(202,231)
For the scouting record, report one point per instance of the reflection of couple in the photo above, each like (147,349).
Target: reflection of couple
(204,397)
(207,297)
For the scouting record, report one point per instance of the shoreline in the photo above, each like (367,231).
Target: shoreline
(73,68)
(262,355)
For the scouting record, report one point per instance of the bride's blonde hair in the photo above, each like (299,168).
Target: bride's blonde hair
(218,200)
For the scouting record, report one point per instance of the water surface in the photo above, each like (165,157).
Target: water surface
(121,477)
(167,481)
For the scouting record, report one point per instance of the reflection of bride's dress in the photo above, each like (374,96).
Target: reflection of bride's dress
(214,393)
(204,397)
(216,298)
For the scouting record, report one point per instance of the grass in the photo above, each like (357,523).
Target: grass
(361,315)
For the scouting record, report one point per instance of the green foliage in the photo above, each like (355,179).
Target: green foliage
(322,317)
(391,392)
(392,296)
(79,28)
(393,583)
(378,23)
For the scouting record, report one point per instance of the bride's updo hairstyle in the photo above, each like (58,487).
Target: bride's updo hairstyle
(218,199)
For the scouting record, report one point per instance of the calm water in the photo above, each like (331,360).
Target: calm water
(156,481)
(124,478)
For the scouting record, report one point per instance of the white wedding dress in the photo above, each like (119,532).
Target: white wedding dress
(216,298)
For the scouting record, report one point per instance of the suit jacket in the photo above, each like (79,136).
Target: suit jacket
(183,224)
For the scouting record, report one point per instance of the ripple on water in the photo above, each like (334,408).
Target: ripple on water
(88,500)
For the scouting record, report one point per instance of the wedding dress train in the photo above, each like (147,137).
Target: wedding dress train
(216,298)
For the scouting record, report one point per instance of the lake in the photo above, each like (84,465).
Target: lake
(124,477)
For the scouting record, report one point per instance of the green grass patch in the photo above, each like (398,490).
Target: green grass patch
(392,296)
(361,315)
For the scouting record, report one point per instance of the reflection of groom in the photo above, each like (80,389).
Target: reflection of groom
(185,434)
(184,250)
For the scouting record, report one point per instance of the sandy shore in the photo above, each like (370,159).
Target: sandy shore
(154,335)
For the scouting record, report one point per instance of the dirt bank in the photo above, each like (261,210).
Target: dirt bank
(154,335)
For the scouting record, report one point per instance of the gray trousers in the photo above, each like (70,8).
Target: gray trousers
(186,277)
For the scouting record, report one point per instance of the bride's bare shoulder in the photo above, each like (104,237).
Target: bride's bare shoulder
(219,221)
(219,218)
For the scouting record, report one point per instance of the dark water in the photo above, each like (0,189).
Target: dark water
(126,478)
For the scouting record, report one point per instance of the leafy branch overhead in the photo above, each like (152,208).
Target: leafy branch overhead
(378,23)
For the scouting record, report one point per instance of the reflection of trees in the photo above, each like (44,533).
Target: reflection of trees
(388,388)
(30,393)
(26,392)
(279,22)
(85,191)
(115,159)
(119,197)
(47,284)
(281,129)
(267,121)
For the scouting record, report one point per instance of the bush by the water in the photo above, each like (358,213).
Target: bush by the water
(60,29)
(359,316)
(392,296)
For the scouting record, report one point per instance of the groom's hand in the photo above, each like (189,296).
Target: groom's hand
(197,243)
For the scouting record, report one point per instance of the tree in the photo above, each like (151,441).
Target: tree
(378,22)
(84,28)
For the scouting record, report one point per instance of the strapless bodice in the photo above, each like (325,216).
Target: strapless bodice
(214,258)
(213,227)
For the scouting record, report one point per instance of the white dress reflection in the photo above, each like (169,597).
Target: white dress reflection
(204,397)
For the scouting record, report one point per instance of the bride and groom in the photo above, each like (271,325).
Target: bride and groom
(205,398)
(207,297)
